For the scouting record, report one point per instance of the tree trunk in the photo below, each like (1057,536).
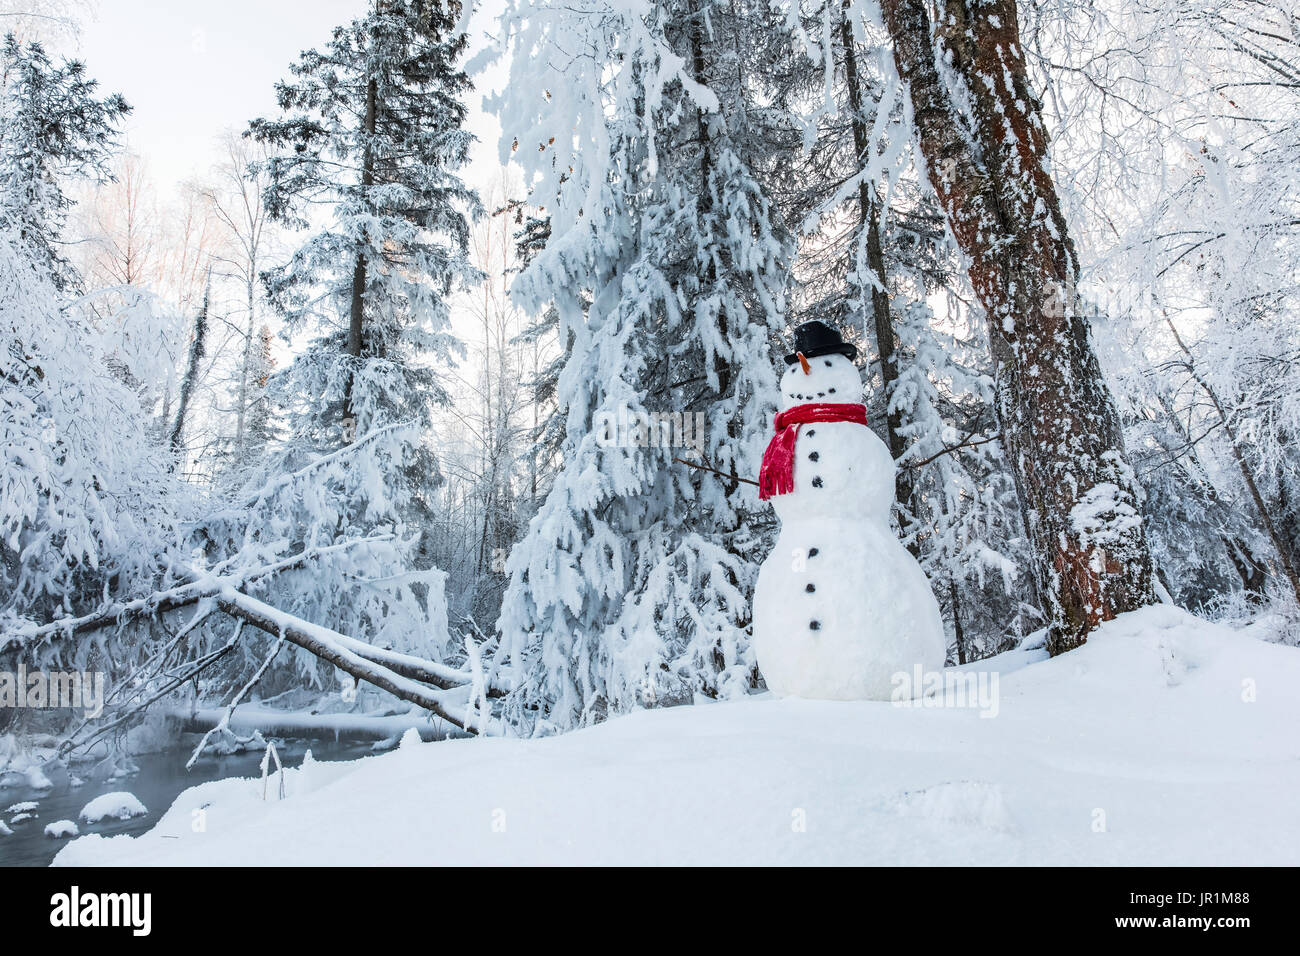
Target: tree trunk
(708,278)
(198,349)
(326,644)
(958,631)
(357,310)
(241,420)
(1060,427)
(869,220)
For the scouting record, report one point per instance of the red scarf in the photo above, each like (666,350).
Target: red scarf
(776,475)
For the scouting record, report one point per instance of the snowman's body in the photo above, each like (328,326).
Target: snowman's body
(840,606)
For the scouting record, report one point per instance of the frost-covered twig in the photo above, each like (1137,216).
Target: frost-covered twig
(224,723)
(179,680)
(964,443)
(272,753)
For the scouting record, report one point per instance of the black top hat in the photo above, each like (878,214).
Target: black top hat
(817,338)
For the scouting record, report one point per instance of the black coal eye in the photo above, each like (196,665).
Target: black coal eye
(828,364)
(831,390)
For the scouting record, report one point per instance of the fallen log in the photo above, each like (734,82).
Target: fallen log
(331,646)
(409,678)
(182,595)
(303,726)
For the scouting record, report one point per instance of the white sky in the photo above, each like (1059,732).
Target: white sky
(192,70)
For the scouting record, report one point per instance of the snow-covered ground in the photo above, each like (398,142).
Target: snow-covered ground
(1164,740)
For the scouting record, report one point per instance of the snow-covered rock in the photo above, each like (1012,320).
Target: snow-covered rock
(25,807)
(118,805)
(62,828)
(4,829)
(1164,740)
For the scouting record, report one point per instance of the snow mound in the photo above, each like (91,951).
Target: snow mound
(62,828)
(25,807)
(4,829)
(22,817)
(1165,740)
(118,805)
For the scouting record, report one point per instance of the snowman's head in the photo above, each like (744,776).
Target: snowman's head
(826,378)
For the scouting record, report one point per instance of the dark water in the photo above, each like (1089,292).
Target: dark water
(161,779)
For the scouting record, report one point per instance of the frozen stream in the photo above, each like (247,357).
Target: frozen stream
(161,779)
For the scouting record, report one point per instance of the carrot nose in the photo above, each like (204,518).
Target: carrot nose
(804,362)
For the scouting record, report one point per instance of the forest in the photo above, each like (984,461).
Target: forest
(352,426)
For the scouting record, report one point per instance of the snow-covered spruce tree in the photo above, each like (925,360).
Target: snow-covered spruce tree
(86,502)
(642,129)
(55,127)
(372,131)
(365,153)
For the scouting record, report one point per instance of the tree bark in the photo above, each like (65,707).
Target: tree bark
(241,414)
(1062,433)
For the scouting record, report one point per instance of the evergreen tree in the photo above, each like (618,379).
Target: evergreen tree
(365,155)
(666,264)
(55,127)
(372,131)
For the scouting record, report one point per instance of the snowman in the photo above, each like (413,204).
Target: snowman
(840,606)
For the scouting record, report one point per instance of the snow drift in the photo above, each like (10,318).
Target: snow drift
(1164,740)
